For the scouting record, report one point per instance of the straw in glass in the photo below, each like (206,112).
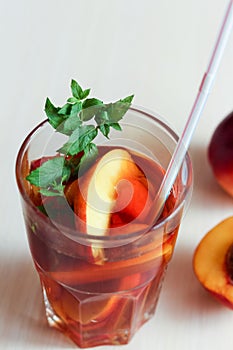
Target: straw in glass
(196,111)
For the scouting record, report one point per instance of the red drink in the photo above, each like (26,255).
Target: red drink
(106,301)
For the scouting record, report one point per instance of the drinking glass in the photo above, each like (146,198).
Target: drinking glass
(104,301)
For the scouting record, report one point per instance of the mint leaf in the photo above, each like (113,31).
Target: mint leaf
(52,113)
(79,140)
(90,151)
(72,100)
(102,116)
(65,110)
(76,89)
(105,129)
(76,108)
(112,113)
(88,113)
(85,93)
(52,171)
(115,126)
(127,99)
(69,125)
(91,106)
(116,111)
(89,156)
(89,102)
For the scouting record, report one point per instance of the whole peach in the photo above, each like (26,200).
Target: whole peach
(220,153)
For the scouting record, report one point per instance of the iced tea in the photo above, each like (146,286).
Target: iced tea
(106,300)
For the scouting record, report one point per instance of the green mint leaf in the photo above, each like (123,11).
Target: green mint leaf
(52,171)
(52,113)
(76,89)
(72,100)
(89,102)
(127,99)
(112,113)
(102,117)
(85,93)
(76,108)
(79,140)
(115,126)
(90,151)
(90,107)
(116,111)
(89,156)
(69,125)
(65,110)
(88,113)
(105,129)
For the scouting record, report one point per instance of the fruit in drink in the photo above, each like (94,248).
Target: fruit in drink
(112,193)
(220,153)
(114,185)
(213,262)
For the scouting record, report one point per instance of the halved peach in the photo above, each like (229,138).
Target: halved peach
(212,262)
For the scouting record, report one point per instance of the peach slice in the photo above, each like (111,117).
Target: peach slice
(114,167)
(133,199)
(114,185)
(212,262)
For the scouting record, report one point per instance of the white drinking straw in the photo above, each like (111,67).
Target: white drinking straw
(204,90)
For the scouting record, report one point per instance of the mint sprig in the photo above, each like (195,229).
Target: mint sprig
(74,119)
(50,176)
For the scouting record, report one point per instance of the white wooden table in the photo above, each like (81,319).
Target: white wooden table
(157,50)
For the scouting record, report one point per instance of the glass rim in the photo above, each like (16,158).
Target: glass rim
(81,236)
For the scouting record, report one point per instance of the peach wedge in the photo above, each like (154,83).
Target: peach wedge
(115,184)
(213,262)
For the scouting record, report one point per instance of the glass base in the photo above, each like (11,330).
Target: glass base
(121,336)
(120,317)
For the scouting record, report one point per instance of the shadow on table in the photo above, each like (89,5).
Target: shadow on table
(182,293)
(205,184)
(21,311)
